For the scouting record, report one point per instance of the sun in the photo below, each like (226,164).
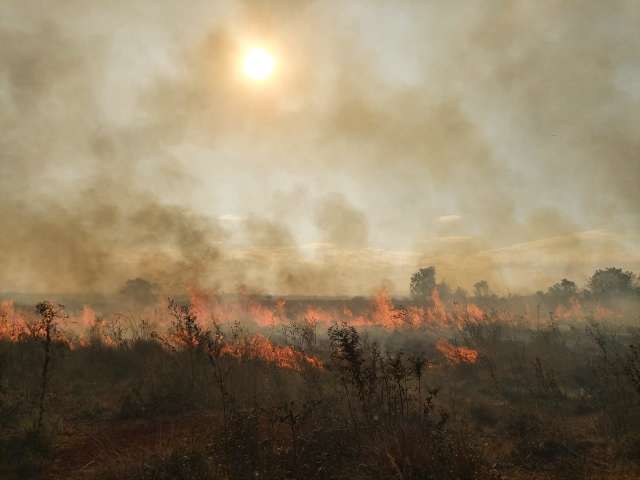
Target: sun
(258,64)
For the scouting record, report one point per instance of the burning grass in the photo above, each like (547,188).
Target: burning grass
(283,388)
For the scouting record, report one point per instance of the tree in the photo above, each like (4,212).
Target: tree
(45,329)
(611,281)
(187,334)
(347,357)
(139,291)
(444,291)
(481,289)
(422,283)
(460,295)
(563,291)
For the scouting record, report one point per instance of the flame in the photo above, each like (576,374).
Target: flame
(575,311)
(86,326)
(456,354)
(210,309)
(88,317)
(314,316)
(572,312)
(258,347)
(438,311)
(265,316)
(384,313)
(603,313)
(12,324)
(475,313)
(202,305)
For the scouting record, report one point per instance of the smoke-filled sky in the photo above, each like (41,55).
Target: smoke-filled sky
(496,140)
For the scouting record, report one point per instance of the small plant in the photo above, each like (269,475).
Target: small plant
(46,330)
(397,372)
(417,364)
(294,417)
(215,351)
(186,334)
(347,359)
(346,351)
(546,383)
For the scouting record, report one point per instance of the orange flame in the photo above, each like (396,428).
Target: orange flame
(12,324)
(259,347)
(575,311)
(572,312)
(384,313)
(475,312)
(456,354)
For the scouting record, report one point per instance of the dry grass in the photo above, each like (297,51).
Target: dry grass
(200,403)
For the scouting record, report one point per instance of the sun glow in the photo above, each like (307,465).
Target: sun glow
(258,64)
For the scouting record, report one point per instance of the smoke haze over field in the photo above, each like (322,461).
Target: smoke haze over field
(496,140)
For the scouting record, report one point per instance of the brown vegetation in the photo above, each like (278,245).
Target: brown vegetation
(249,387)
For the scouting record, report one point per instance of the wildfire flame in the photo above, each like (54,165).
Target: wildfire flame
(211,311)
(456,354)
(258,347)
(575,311)
(12,324)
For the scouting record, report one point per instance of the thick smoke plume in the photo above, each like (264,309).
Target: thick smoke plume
(496,141)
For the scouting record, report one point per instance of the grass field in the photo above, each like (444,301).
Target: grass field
(351,388)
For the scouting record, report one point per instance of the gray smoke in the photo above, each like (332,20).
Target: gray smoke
(495,141)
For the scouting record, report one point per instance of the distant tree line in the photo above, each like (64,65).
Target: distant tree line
(604,285)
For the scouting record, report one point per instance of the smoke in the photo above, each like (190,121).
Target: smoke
(340,223)
(495,141)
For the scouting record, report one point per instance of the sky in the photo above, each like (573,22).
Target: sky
(496,140)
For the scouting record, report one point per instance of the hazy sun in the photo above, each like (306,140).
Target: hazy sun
(258,64)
